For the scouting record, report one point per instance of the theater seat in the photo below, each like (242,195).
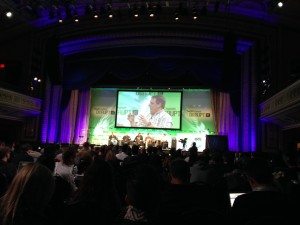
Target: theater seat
(203,216)
(268,220)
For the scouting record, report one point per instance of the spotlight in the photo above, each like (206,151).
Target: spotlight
(39,80)
(195,14)
(279,4)
(176,16)
(96,15)
(110,11)
(76,18)
(135,11)
(35,78)
(151,11)
(9,14)
(60,17)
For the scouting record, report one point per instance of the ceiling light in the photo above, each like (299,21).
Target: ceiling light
(9,14)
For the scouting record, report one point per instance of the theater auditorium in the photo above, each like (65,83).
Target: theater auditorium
(149,112)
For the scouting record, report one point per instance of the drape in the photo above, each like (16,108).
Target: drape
(51,113)
(68,119)
(82,119)
(226,121)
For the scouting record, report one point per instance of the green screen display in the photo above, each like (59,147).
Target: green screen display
(149,109)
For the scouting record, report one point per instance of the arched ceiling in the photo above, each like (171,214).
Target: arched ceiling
(44,14)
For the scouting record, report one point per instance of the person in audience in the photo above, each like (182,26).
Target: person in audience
(7,169)
(96,200)
(22,156)
(58,157)
(28,196)
(265,199)
(123,152)
(84,162)
(65,168)
(118,173)
(181,196)
(48,157)
(143,197)
(154,159)
(193,155)
(62,191)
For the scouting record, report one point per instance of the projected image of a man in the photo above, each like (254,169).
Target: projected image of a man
(157,117)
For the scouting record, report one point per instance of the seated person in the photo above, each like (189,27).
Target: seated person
(138,139)
(126,139)
(265,199)
(112,139)
(181,196)
(142,197)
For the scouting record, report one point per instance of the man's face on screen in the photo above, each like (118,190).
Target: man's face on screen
(154,106)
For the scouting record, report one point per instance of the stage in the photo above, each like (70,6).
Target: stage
(191,115)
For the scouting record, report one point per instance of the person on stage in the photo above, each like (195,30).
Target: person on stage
(112,139)
(183,141)
(126,139)
(139,138)
(157,118)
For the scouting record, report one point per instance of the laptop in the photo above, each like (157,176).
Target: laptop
(233,196)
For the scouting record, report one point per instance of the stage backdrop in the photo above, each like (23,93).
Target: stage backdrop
(196,119)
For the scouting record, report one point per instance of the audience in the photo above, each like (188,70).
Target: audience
(7,169)
(181,197)
(96,200)
(265,199)
(27,197)
(65,168)
(143,197)
(144,186)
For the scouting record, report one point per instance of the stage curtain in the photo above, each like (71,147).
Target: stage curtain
(215,97)
(51,113)
(82,118)
(227,122)
(68,119)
